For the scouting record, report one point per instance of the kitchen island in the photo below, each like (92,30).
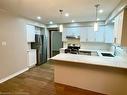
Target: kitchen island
(107,75)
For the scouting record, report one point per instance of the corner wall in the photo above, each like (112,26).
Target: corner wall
(13,55)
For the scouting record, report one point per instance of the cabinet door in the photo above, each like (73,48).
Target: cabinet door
(109,34)
(64,33)
(119,28)
(32,58)
(91,34)
(83,34)
(72,31)
(75,31)
(30,33)
(100,34)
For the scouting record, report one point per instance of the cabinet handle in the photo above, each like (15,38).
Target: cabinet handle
(87,40)
(115,40)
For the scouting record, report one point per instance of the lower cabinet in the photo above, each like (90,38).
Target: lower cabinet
(32,57)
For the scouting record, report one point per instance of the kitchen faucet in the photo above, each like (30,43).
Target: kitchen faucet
(115,51)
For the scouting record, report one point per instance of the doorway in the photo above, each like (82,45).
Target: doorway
(55,42)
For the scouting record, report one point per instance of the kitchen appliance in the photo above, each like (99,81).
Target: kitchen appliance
(40,45)
(72,49)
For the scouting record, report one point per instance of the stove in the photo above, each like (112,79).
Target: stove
(72,50)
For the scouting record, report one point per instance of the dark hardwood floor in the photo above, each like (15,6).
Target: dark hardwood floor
(39,81)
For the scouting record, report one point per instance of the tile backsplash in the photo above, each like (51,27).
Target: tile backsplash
(121,51)
(96,46)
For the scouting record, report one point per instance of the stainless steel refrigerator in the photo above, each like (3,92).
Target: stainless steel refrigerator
(40,45)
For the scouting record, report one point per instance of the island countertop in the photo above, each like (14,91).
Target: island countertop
(116,61)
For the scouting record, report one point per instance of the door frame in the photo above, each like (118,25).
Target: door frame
(50,40)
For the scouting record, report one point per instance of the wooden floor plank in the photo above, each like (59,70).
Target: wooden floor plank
(39,81)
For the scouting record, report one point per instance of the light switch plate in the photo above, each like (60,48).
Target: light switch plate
(4,43)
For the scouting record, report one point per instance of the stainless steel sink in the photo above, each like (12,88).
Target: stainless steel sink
(107,54)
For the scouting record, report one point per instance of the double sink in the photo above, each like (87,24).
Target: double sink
(95,53)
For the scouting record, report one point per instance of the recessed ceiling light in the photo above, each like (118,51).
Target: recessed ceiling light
(50,22)
(38,17)
(73,21)
(101,11)
(122,8)
(67,14)
(98,18)
(113,21)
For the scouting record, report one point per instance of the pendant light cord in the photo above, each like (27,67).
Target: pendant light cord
(97,10)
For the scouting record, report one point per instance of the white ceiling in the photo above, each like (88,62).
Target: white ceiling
(79,10)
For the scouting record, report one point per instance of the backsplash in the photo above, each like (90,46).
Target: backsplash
(124,51)
(74,41)
(120,51)
(96,46)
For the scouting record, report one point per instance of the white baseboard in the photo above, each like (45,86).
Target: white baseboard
(13,75)
(31,66)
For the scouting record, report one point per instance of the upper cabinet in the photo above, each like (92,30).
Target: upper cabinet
(91,35)
(120,29)
(100,34)
(30,29)
(109,37)
(87,34)
(83,34)
(70,32)
(104,34)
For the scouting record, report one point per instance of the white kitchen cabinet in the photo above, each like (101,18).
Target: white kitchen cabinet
(120,29)
(100,34)
(87,34)
(91,35)
(30,29)
(83,34)
(64,36)
(32,58)
(73,31)
(109,37)
(70,32)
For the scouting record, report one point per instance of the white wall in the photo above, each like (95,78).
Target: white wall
(13,56)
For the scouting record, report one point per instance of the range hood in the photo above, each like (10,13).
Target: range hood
(73,37)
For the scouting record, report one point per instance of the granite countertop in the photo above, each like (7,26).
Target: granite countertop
(116,61)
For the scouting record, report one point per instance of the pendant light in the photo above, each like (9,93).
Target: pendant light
(96,26)
(61,26)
